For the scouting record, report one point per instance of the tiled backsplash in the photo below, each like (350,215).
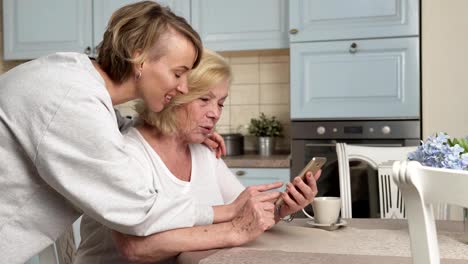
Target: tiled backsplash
(260,84)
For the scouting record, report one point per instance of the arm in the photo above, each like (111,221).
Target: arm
(235,195)
(256,217)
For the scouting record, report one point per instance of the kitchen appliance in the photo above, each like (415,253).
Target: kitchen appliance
(234,144)
(318,138)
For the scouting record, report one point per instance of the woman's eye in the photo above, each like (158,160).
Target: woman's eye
(204,99)
(177,75)
(221,105)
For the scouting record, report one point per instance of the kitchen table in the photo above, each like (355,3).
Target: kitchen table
(382,241)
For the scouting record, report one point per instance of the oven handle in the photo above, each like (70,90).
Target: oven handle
(320,145)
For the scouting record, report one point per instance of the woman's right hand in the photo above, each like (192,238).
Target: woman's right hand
(256,216)
(249,193)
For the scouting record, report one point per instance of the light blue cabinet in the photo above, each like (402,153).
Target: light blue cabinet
(319,20)
(255,176)
(103,9)
(241,24)
(36,28)
(374,78)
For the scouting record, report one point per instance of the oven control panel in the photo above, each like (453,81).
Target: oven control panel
(356,129)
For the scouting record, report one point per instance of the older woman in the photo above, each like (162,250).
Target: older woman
(180,165)
(61,150)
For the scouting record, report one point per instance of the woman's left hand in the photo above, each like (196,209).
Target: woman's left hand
(216,143)
(299,193)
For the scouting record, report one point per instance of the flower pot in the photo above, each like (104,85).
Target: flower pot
(266,146)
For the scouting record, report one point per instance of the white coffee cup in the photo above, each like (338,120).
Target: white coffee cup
(326,210)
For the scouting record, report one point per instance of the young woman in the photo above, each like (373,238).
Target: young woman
(61,150)
(170,141)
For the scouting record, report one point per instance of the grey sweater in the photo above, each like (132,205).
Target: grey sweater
(62,154)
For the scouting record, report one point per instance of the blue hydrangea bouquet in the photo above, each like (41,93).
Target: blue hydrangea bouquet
(441,151)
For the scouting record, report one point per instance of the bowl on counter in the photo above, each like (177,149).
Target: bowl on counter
(234,144)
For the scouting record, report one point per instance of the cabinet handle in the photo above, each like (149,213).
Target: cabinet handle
(240,173)
(293,31)
(87,51)
(353,48)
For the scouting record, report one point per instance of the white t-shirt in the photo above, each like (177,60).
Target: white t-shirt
(211,183)
(61,154)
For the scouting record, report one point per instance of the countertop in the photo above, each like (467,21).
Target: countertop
(253,160)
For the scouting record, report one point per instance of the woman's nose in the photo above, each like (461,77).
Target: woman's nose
(215,112)
(183,85)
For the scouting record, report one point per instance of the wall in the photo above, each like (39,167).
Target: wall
(445,67)
(260,84)
(445,70)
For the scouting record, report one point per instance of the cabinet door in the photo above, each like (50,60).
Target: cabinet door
(36,28)
(255,176)
(375,79)
(241,24)
(103,9)
(317,20)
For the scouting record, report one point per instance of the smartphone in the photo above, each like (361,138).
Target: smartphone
(313,166)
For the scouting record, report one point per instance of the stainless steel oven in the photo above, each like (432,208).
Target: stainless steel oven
(318,138)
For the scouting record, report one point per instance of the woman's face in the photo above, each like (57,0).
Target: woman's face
(163,78)
(198,118)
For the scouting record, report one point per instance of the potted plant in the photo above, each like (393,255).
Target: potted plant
(266,129)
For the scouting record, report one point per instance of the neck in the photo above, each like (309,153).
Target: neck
(119,92)
(168,145)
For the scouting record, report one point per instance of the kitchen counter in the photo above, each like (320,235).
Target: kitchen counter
(253,160)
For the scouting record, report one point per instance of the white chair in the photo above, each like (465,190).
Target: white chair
(421,186)
(391,205)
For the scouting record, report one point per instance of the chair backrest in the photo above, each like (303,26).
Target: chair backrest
(421,186)
(374,156)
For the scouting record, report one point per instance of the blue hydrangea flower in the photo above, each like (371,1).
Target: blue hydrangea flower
(436,152)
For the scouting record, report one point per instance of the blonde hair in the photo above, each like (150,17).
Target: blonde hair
(140,27)
(212,70)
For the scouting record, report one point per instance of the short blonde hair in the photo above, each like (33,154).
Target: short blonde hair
(212,70)
(139,27)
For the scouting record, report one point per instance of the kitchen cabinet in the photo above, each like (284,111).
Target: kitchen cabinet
(241,24)
(320,20)
(36,28)
(354,59)
(255,176)
(378,78)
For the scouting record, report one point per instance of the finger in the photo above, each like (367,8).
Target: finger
(222,145)
(295,194)
(305,189)
(289,202)
(219,153)
(210,143)
(267,196)
(268,186)
(313,184)
(317,175)
(269,207)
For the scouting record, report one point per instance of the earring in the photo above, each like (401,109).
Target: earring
(138,76)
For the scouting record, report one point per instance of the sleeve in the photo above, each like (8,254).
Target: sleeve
(83,156)
(229,185)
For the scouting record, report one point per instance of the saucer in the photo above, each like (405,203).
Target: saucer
(327,227)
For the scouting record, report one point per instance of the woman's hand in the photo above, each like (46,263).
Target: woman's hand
(299,193)
(216,143)
(249,193)
(257,216)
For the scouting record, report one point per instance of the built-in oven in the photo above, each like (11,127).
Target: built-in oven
(318,139)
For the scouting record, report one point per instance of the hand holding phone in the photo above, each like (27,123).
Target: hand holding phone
(313,166)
